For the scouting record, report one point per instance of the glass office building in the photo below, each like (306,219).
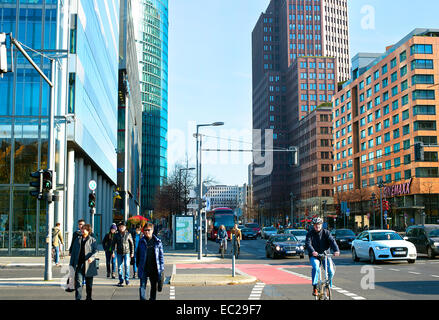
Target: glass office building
(152,46)
(84,36)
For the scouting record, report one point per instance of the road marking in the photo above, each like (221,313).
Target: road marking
(413,272)
(257,291)
(394,270)
(172,293)
(435,276)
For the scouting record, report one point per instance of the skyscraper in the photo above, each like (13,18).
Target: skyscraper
(151,24)
(298,49)
(84,37)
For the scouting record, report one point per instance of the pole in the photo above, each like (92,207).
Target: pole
(200,195)
(381,201)
(51,162)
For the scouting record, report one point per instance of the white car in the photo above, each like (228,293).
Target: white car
(381,245)
(267,232)
(300,234)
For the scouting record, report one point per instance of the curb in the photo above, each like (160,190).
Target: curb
(185,280)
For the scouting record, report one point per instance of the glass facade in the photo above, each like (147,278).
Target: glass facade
(152,52)
(24,126)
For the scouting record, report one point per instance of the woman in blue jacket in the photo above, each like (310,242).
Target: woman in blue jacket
(150,261)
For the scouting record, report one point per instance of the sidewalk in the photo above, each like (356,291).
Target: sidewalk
(205,277)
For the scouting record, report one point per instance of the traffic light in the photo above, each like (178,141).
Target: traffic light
(419,151)
(47,180)
(3,54)
(293,156)
(386,205)
(37,184)
(92,200)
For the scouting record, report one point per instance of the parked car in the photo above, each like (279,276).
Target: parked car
(249,233)
(255,227)
(284,245)
(425,238)
(300,234)
(381,245)
(343,237)
(267,232)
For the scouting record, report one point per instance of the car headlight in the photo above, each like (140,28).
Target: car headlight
(381,248)
(301,248)
(436,244)
(278,248)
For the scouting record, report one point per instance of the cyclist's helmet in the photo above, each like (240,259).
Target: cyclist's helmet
(317,221)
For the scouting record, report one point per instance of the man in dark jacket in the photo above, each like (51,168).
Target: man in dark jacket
(150,261)
(123,247)
(83,261)
(318,241)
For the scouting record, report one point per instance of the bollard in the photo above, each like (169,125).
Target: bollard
(233,266)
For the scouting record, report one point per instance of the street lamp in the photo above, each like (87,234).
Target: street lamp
(381,186)
(199,180)
(179,189)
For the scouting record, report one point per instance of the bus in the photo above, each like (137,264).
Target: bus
(218,217)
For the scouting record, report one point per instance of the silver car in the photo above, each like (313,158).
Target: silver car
(267,232)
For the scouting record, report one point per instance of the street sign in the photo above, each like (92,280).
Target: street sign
(92,185)
(348,212)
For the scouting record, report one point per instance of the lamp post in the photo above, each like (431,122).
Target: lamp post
(292,198)
(179,189)
(199,180)
(373,198)
(381,186)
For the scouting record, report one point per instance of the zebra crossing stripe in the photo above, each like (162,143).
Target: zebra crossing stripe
(257,291)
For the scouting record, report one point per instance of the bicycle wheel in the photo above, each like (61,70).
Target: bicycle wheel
(328,292)
(222,251)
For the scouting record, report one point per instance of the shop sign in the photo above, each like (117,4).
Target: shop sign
(398,190)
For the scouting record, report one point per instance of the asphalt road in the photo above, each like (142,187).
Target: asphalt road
(279,279)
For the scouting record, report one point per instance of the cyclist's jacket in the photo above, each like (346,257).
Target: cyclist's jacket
(320,242)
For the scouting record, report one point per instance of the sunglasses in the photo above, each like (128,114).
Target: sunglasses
(149,230)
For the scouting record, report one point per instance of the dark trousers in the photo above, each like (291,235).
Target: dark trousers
(111,262)
(153,293)
(79,280)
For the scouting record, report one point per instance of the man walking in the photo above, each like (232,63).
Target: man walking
(150,261)
(123,247)
(83,261)
(77,234)
(57,240)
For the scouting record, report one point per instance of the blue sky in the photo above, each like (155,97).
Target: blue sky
(210,69)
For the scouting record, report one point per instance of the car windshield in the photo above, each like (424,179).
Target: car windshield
(284,238)
(299,233)
(381,236)
(270,229)
(433,232)
(252,225)
(344,233)
(247,230)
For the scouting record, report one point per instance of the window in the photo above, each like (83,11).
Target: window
(387,137)
(424,125)
(422,64)
(427,172)
(394,77)
(421,49)
(395,119)
(386,123)
(402,56)
(424,110)
(405,99)
(404,85)
(384,69)
(397,176)
(423,94)
(385,82)
(403,71)
(407,174)
(393,63)
(405,115)
(396,134)
(396,147)
(407,159)
(406,144)
(423,79)
(397,162)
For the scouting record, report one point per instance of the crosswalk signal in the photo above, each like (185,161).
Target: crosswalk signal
(37,184)
(3,54)
(47,180)
(92,200)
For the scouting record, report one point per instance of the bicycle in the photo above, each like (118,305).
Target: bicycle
(323,286)
(222,247)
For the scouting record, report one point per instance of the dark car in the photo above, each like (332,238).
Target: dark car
(425,238)
(255,227)
(249,233)
(343,237)
(284,245)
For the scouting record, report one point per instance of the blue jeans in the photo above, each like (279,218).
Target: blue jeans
(79,283)
(56,254)
(315,263)
(123,261)
(134,264)
(111,262)
(153,293)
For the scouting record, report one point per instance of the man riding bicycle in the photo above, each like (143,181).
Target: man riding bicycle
(319,240)
(222,237)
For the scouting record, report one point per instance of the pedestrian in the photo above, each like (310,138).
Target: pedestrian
(150,262)
(57,241)
(83,262)
(123,247)
(107,244)
(236,232)
(136,235)
(76,234)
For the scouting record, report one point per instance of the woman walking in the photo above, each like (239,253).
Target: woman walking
(107,244)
